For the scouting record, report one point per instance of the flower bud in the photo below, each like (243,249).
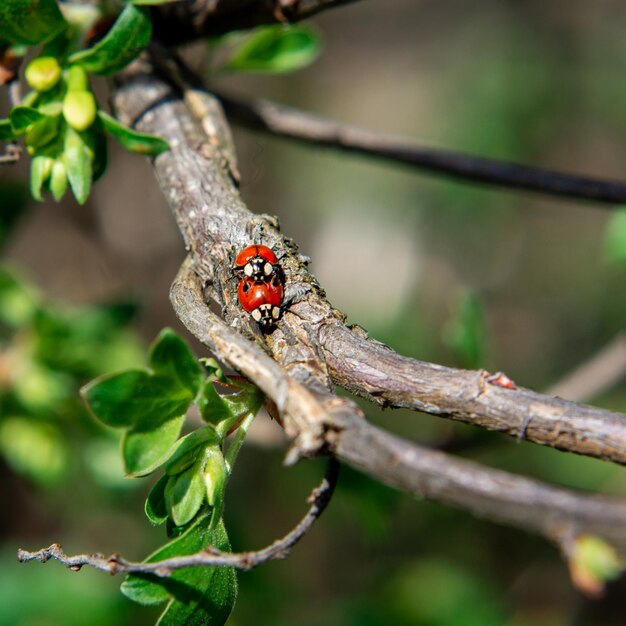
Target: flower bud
(43,73)
(79,109)
(76,79)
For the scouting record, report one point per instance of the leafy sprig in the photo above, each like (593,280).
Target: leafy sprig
(60,120)
(150,406)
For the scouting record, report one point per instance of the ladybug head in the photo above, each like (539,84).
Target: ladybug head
(258,269)
(266,315)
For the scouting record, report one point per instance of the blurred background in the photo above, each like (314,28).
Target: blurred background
(468,277)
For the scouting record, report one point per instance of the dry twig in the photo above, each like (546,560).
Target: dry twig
(290,123)
(210,556)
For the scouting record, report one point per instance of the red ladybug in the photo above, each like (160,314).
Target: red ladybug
(258,263)
(261,300)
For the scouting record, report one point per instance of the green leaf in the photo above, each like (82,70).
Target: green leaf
(30,21)
(134,398)
(6,130)
(185,493)
(128,36)
(199,596)
(42,132)
(171,357)
(224,410)
(275,49)
(615,239)
(186,451)
(155,508)
(22,117)
(146,450)
(140,143)
(40,169)
(78,164)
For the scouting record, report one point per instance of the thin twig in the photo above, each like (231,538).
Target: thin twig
(210,556)
(290,123)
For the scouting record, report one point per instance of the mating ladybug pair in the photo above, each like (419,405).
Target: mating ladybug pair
(260,289)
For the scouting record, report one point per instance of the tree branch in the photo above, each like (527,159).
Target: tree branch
(374,371)
(197,178)
(210,556)
(183,22)
(289,123)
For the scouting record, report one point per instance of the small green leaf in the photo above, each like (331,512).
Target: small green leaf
(223,411)
(199,596)
(42,132)
(30,21)
(155,508)
(171,357)
(6,130)
(134,398)
(146,450)
(140,143)
(185,454)
(185,493)
(128,36)
(78,164)
(22,117)
(275,49)
(40,169)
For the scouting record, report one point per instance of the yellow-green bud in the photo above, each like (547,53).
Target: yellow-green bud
(76,79)
(79,109)
(43,73)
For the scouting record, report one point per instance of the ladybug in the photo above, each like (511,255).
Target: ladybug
(258,263)
(261,300)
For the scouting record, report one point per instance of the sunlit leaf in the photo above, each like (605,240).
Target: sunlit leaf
(128,36)
(275,49)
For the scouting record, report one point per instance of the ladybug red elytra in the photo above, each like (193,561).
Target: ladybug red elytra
(258,263)
(261,300)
